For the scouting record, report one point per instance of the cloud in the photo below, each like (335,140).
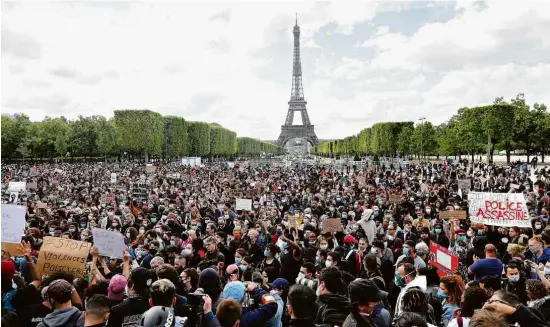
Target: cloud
(362,62)
(20,46)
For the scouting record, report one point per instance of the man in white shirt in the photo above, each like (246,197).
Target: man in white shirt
(406,278)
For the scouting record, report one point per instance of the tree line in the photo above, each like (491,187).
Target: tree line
(134,133)
(503,126)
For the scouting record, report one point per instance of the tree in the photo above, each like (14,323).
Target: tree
(404,141)
(108,138)
(176,142)
(199,138)
(14,132)
(141,131)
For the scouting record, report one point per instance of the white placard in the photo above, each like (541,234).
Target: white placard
(17,186)
(243,204)
(444,259)
(13,223)
(113,178)
(108,243)
(514,186)
(498,209)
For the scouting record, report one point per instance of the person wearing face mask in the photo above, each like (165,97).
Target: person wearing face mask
(270,251)
(278,288)
(515,281)
(266,309)
(409,250)
(439,236)
(332,300)
(538,226)
(406,278)
(307,275)
(291,257)
(366,308)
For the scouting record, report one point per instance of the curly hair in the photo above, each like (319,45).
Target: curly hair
(414,300)
(474,298)
(455,287)
(536,289)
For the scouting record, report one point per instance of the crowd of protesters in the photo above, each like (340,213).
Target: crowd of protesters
(193,259)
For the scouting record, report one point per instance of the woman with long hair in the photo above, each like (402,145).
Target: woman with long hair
(270,252)
(473,298)
(450,291)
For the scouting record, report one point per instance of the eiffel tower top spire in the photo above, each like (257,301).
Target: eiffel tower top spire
(297,91)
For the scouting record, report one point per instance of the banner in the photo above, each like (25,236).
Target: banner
(108,243)
(63,254)
(498,209)
(443,259)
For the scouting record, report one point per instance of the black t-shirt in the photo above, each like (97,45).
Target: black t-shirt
(128,313)
(34,314)
(25,296)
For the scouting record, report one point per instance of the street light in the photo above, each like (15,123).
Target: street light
(422,119)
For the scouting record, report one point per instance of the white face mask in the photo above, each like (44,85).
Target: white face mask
(324,246)
(469,233)
(142,231)
(546,270)
(301,275)
(374,250)
(328,263)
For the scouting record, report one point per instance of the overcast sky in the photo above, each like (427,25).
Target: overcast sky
(362,62)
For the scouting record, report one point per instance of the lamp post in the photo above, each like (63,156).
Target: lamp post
(422,119)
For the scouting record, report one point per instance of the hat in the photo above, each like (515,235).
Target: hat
(460,231)
(141,277)
(117,285)
(365,290)
(350,239)
(60,290)
(280,283)
(8,269)
(234,290)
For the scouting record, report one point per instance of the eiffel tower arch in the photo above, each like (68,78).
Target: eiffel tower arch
(297,103)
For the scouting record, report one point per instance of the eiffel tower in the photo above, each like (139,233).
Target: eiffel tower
(297,102)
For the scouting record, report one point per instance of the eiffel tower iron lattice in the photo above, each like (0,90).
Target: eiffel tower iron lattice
(297,102)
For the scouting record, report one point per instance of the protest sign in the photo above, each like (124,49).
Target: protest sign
(498,209)
(514,186)
(395,198)
(452,214)
(17,186)
(13,223)
(41,205)
(149,168)
(424,188)
(32,186)
(243,204)
(113,178)
(63,254)
(11,250)
(464,184)
(443,259)
(332,225)
(108,243)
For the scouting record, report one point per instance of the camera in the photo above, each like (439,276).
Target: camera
(193,309)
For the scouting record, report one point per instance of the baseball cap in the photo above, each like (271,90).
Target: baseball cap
(117,285)
(365,290)
(279,283)
(141,277)
(350,239)
(234,290)
(8,269)
(60,290)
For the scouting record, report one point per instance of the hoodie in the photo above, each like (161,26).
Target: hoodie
(333,309)
(62,318)
(419,282)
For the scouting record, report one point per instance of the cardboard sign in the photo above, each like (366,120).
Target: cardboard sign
(150,168)
(32,186)
(61,254)
(109,243)
(332,225)
(41,205)
(292,222)
(243,204)
(395,198)
(13,223)
(452,214)
(443,259)
(11,250)
(464,184)
(498,209)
